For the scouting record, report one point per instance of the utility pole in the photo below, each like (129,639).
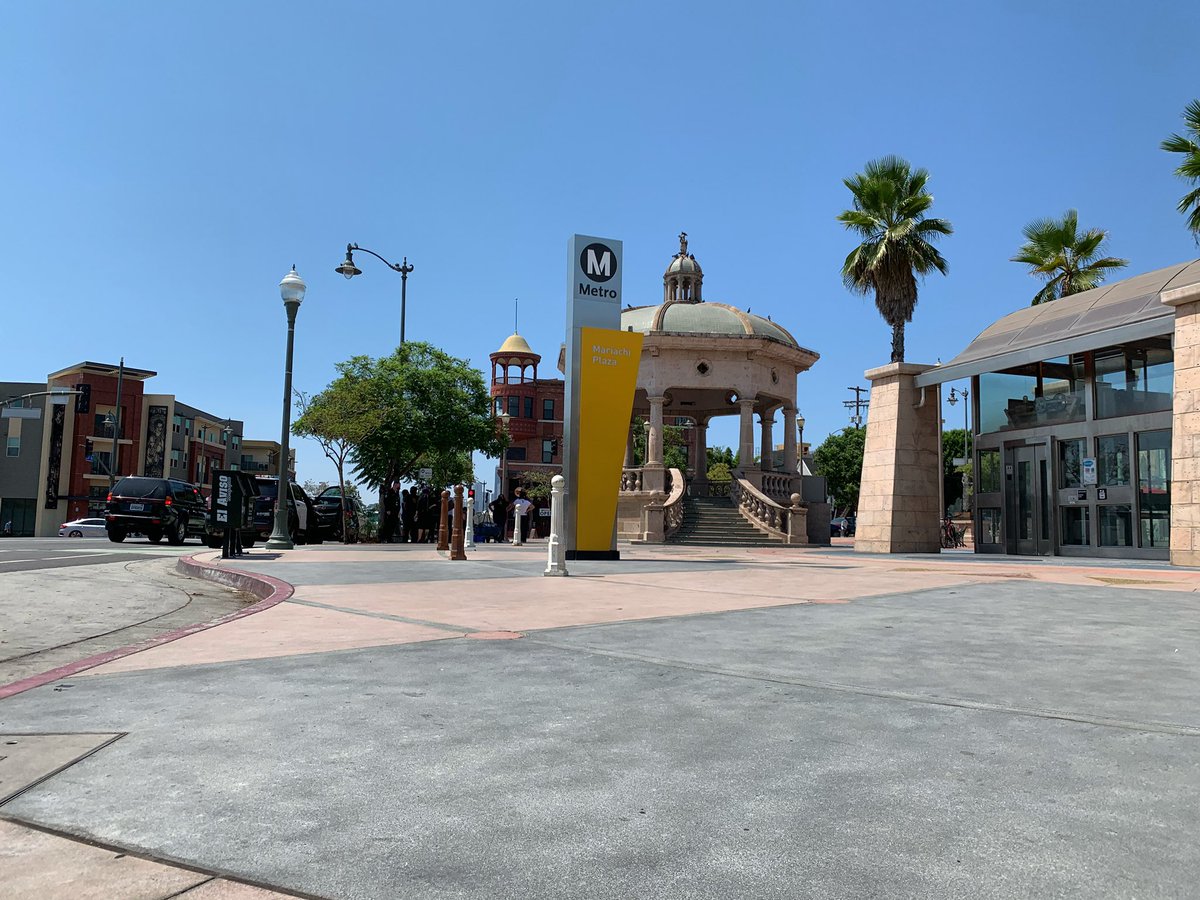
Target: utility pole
(858,404)
(116,426)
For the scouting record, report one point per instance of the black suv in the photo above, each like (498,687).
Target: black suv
(302,514)
(155,507)
(331,519)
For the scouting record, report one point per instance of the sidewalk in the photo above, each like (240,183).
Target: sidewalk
(680,723)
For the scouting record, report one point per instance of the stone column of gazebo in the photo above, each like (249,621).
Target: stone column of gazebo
(701,360)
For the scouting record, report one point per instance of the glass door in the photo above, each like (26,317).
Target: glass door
(1026,483)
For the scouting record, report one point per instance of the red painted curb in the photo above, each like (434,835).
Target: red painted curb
(270,591)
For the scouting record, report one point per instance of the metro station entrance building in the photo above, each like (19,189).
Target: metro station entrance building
(1086,422)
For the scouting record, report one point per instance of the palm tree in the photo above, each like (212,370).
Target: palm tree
(890,202)
(1069,262)
(1189,169)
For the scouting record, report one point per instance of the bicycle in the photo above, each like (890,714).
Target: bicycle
(952,537)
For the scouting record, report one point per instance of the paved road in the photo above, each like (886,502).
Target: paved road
(24,554)
(63,600)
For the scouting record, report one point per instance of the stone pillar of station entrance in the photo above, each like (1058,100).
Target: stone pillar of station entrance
(1185,427)
(899,499)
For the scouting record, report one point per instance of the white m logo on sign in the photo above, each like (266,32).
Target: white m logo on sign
(601,266)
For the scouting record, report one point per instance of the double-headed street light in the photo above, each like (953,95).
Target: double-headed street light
(292,290)
(349,269)
(968,438)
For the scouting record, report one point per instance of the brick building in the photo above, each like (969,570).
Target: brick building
(532,410)
(59,449)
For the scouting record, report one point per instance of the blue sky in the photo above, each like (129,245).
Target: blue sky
(164,165)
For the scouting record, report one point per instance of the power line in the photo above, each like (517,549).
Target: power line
(858,404)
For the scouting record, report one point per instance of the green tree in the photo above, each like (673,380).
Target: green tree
(840,459)
(721,455)
(1188,146)
(890,205)
(339,418)
(1069,262)
(674,445)
(433,409)
(537,484)
(720,471)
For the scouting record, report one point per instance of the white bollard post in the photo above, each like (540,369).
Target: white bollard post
(470,541)
(556,564)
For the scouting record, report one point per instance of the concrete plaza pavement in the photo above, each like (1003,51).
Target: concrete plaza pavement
(681,723)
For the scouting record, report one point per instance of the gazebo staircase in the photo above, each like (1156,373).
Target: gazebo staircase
(715,522)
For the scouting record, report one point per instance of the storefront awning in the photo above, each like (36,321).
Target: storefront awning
(1115,313)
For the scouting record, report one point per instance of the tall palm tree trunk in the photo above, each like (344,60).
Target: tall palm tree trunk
(898,342)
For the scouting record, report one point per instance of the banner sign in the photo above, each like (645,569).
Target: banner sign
(601,376)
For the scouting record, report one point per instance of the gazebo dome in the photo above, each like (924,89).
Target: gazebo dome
(703,319)
(685,264)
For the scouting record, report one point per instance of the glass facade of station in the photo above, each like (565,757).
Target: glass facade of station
(1073,454)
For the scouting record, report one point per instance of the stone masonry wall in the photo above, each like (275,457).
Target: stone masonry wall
(899,504)
(1185,428)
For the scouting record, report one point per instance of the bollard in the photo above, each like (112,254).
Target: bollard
(556,563)
(517,542)
(456,539)
(471,528)
(443,533)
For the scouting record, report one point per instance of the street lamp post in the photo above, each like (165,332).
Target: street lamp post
(968,438)
(349,269)
(292,290)
(116,427)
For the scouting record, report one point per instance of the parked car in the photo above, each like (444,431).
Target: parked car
(334,515)
(155,507)
(302,513)
(83,528)
(841,526)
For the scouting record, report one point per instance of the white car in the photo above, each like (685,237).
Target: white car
(83,528)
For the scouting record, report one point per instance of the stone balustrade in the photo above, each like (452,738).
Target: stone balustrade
(631,481)
(768,516)
(673,508)
(777,485)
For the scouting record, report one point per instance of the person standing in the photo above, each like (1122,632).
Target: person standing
(499,509)
(391,513)
(408,517)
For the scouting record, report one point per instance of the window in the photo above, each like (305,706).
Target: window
(548,408)
(529,407)
(1042,393)
(514,406)
(1116,525)
(1112,460)
(1076,526)
(101,462)
(989,471)
(499,404)
(174,459)
(1134,379)
(14,446)
(515,453)
(1154,488)
(1070,463)
(989,525)
(547,450)
(176,424)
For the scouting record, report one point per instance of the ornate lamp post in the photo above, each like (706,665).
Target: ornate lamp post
(349,269)
(292,290)
(968,440)
(800,439)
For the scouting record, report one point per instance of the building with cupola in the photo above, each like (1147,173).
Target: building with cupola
(700,360)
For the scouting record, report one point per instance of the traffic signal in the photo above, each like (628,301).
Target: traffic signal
(471,494)
(554,447)
(87,449)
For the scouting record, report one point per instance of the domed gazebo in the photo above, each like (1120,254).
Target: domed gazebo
(701,360)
